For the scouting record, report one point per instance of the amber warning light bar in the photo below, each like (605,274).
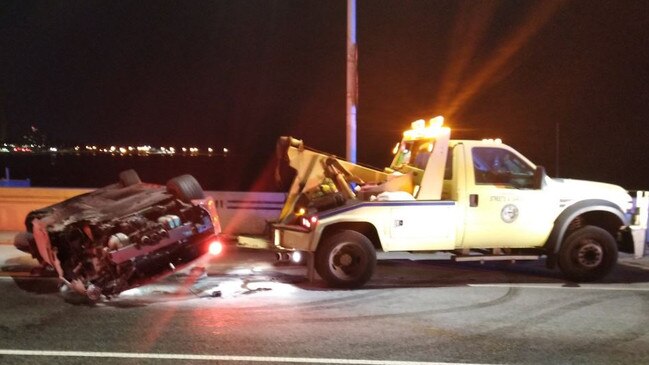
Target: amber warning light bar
(419,129)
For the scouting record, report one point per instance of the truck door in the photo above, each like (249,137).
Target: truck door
(503,209)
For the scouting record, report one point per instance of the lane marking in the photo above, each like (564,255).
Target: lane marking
(558,286)
(135,355)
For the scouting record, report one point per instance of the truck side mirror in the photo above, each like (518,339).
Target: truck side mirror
(538,178)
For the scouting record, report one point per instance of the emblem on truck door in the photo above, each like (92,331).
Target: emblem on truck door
(509,213)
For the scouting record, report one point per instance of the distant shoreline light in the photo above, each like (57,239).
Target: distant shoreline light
(114,150)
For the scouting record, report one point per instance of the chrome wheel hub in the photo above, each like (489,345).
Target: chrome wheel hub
(590,254)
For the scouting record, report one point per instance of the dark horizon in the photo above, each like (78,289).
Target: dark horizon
(240,74)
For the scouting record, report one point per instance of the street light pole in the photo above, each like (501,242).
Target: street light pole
(352,80)
(557,150)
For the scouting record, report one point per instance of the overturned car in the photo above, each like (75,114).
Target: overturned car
(122,235)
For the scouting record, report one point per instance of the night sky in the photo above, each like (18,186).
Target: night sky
(241,73)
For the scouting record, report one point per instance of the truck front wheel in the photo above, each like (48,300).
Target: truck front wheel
(345,259)
(588,254)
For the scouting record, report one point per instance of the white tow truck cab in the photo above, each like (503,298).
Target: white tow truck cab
(480,200)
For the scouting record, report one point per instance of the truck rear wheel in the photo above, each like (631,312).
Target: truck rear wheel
(588,254)
(345,259)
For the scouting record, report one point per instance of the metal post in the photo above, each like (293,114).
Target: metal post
(352,80)
(557,151)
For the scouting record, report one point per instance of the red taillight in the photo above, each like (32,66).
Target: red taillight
(215,248)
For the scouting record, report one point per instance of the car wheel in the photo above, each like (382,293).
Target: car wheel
(185,188)
(129,177)
(588,254)
(345,259)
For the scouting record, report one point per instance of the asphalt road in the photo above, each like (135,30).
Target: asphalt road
(247,311)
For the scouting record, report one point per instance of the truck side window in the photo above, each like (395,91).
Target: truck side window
(493,165)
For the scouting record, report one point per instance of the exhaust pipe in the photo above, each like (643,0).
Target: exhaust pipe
(282,256)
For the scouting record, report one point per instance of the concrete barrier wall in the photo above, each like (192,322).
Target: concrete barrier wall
(16,203)
(247,213)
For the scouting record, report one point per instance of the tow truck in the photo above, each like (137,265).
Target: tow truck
(480,200)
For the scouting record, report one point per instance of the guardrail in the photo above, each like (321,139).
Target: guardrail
(16,203)
(642,201)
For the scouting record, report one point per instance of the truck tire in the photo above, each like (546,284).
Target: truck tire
(588,254)
(345,259)
(129,177)
(185,188)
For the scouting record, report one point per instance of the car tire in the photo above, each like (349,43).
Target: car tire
(185,188)
(588,254)
(345,259)
(129,177)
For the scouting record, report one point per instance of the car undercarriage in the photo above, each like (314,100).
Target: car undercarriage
(122,235)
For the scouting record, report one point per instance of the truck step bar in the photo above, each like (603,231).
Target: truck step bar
(483,258)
